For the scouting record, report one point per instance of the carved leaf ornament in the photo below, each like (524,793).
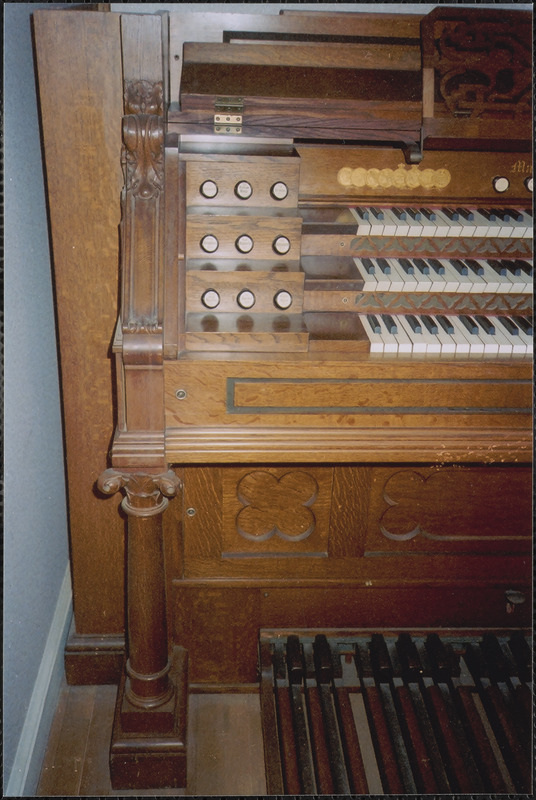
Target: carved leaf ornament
(276,506)
(143,137)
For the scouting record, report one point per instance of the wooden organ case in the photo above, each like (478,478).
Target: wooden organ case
(323,349)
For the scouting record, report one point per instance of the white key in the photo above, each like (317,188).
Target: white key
(363,226)
(518,343)
(389,223)
(451,277)
(447,341)
(492,279)
(397,276)
(505,282)
(506,229)
(424,282)
(383,281)
(390,343)
(454,226)
(442,224)
(375,339)
(482,225)
(417,340)
(478,283)
(519,282)
(429,227)
(491,344)
(404,342)
(463,346)
(370,282)
(519,229)
(415,226)
(433,343)
(410,281)
(465,282)
(475,342)
(492,227)
(376,225)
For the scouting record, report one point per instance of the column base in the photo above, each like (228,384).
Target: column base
(152,757)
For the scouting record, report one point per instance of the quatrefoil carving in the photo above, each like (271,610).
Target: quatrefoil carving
(276,506)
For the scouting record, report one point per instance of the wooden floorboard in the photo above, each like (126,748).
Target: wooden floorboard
(225,751)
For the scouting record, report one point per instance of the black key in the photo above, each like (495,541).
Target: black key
(501,214)
(459,266)
(294,659)
(488,214)
(399,213)
(469,323)
(445,323)
(525,325)
(362,213)
(437,266)
(451,214)
(474,266)
(514,214)
(421,265)
(427,214)
(486,324)
(389,323)
(407,266)
(429,323)
(498,267)
(414,324)
(413,214)
(376,212)
(524,266)
(379,658)
(369,266)
(384,266)
(510,326)
(409,657)
(374,323)
(444,662)
(466,214)
(512,267)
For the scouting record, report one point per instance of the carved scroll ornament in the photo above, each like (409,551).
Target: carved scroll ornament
(143,137)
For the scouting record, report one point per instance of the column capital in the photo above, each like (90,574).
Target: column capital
(146,494)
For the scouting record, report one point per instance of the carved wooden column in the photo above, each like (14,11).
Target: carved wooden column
(147,684)
(148,747)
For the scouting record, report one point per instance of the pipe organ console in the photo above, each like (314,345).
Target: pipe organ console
(322,357)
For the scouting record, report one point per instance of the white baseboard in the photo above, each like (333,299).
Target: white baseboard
(26,769)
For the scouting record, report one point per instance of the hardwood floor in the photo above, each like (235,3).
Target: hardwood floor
(225,751)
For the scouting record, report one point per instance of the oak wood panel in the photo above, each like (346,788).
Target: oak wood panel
(312,54)
(215,27)
(375,394)
(450,510)
(79,68)
(219,652)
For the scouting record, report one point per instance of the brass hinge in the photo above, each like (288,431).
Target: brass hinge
(228,115)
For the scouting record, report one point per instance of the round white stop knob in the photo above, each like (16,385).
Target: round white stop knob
(281,245)
(243,190)
(283,299)
(246,299)
(209,243)
(211,299)
(244,244)
(209,189)
(501,184)
(279,190)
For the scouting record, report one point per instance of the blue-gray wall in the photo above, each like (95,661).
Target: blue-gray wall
(35,525)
